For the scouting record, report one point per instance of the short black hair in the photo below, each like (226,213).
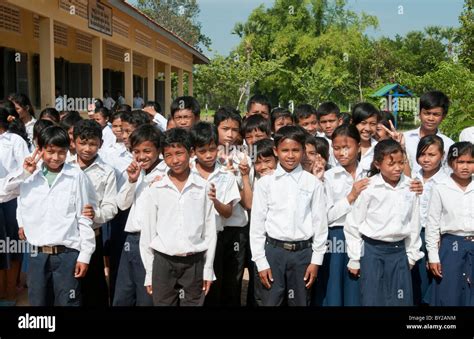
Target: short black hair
(176,136)
(303,111)
(295,133)
(98,103)
(136,118)
(226,113)
(116,115)
(70,120)
(346,130)
(321,145)
(384,148)
(50,112)
(104,111)
(41,125)
(434,99)
(53,135)
(259,99)
(186,102)
(277,113)
(385,117)
(156,105)
(146,133)
(254,122)
(123,108)
(327,108)
(363,111)
(203,133)
(264,148)
(458,149)
(426,142)
(87,129)
(346,117)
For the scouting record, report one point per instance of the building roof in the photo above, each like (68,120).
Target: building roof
(390,89)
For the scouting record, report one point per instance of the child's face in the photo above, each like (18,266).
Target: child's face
(282,122)
(86,149)
(310,124)
(54,157)
(256,108)
(265,165)
(117,129)
(463,166)
(254,136)
(146,154)
(392,167)
(431,118)
(177,158)
(184,118)
(289,153)
(99,118)
(127,130)
(430,159)
(329,123)
(367,128)
(206,155)
(381,133)
(345,150)
(309,157)
(228,132)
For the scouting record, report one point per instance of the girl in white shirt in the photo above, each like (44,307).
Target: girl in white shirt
(365,117)
(450,231)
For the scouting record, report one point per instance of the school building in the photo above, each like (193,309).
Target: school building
(87,46)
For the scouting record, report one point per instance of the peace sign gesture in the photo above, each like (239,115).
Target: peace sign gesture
(30,162)
(394,134)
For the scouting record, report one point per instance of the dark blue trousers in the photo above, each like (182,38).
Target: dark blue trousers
(385,278)
(51,279)
(421,277)
(115,246)
(455,288)
(335,286)
(8,232)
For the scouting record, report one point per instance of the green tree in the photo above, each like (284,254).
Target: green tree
(466,34)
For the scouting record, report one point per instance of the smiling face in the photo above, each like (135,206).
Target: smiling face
(254,136)
(99,118)
(392,167)
(367,128)
(117,129)
(54,157)
(289,153)
(146,154)
(206,155)
(265,165)
(177,158)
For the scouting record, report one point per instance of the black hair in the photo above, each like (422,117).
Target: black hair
(23,101)
(123,108)
(385,117)
(116,115)
(346,130)
(53,135)
(303,111)
(362,111)
(203,133)
(381,150)
(186,102)
(11,122)
(434,99)
(51,113)
(346,117)
(295,133)
(259,99)
(41,125)
(104,111)
(70,120)
(156,105)
(327,108)
(9,106)
(226,113)
(87,129)
(458,149)
(254,122)
(146,133)
(176,136)
(321,145)
(98,103)
(264,148)
(426,142)
(136,118)
(278,113)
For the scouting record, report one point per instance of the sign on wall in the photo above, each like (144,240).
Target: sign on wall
(100,17)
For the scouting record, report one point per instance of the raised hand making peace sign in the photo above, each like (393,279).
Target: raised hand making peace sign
(394,134)
(30,162)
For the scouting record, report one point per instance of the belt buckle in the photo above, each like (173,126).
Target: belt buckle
(289,247)
(47,249)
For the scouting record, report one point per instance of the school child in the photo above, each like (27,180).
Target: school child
(50,210)
(259,105)
(13,151)
(343,184)
(145,145)
(305,116)
(102,117)
(329,117)
(49,113)
(265,161)
(434,107)
(385,119)
(88,140)
(255,128)
(429,156)
(288,227)
(365,117)
(178,238)
(280,117)
(224,194)
(153,108)
(450,231)
(316,156)
(346,118)
(27,113)
(383,242)
(68,125)
(185,111)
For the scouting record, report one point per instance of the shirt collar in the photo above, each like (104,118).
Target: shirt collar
(338,169)
(452,184)
(379,181)
(295,174)
(437,178)
(193,179)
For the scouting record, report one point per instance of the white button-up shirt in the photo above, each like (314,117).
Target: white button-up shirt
(451,211)
(160,122)
(288,206)
(368,157)
(385,213)
(108,137)
(177,223)
(117,156)
(29,130)
(467,134)
(52,216)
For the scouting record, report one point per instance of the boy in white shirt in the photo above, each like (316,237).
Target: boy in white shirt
(329,119)
(288,235)
(178,238)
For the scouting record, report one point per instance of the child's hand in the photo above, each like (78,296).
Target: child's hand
(310,275)
(266,278)
(319,166)
(30,162)
(392,132)
(416,186)
(149,289)
(81,270)
(244,169)
(357,189)
(355,272)
(21,233)
(435,269)
(88,212)
(212,193)
(133,172)
(206,286)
